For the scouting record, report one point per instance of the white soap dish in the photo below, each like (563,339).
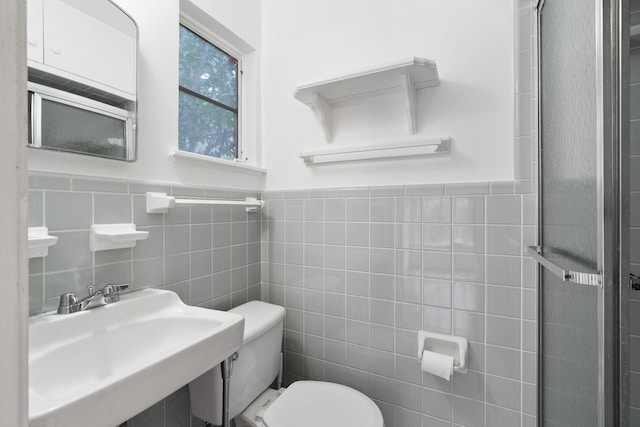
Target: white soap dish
(114,236)
(39,241)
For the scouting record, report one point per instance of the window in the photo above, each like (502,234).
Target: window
(208,98)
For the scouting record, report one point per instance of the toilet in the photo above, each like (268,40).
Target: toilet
(254,404)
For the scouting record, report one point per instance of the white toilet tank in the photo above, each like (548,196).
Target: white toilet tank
(256,368)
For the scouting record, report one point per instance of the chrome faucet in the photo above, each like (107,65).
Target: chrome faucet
(69,303)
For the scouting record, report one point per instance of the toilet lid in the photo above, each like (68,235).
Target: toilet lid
(322,404)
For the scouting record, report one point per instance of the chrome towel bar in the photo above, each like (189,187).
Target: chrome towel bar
(591,279)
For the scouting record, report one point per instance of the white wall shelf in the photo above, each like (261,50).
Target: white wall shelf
(39,241)
(406,75)
(105,237)
(381,151)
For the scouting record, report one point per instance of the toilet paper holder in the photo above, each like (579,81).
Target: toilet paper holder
(451,345)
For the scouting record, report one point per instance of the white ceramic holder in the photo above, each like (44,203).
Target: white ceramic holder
(39,241)
(114,236)
(450,345)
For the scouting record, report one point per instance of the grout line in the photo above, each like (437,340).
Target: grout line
(484,347)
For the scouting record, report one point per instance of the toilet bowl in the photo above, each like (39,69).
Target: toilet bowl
(254,404)
(322,404)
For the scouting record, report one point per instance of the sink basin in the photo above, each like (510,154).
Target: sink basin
(102,366)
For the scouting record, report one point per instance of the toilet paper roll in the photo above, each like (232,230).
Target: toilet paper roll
(437,364)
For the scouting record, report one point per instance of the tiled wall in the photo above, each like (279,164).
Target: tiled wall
(634,303)
(209,256)
(525,55)
(360,271)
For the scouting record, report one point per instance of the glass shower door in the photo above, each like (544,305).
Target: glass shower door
(575,278)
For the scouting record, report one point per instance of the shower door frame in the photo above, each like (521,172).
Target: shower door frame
(620,26)
(612,182)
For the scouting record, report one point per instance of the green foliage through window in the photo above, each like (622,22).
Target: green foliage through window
(208,98)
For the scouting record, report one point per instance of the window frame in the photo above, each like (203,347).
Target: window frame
(227,49)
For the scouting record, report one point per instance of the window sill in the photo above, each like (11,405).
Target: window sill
(186,156)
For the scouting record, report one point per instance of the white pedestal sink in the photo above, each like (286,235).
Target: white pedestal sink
(102,366)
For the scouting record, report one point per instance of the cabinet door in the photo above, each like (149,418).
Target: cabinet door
(91,42)
(34,30)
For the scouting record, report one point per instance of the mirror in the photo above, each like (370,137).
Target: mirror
(82,75)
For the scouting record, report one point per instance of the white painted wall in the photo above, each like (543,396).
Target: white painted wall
(158,101)
(292,42)
(241,17)
(472,43)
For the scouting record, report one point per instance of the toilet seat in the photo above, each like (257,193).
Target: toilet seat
(322,404)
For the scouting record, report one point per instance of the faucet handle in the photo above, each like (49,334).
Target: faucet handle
(68,298)
(113,288)
(111,292)
(90,289)
(66,301)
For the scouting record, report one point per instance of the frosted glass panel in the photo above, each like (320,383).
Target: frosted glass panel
(569,211)
(73,129)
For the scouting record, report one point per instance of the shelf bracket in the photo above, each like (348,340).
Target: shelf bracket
(410,94)
(324,114)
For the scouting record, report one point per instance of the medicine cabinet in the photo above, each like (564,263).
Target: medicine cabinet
(91,43)
(82,75)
